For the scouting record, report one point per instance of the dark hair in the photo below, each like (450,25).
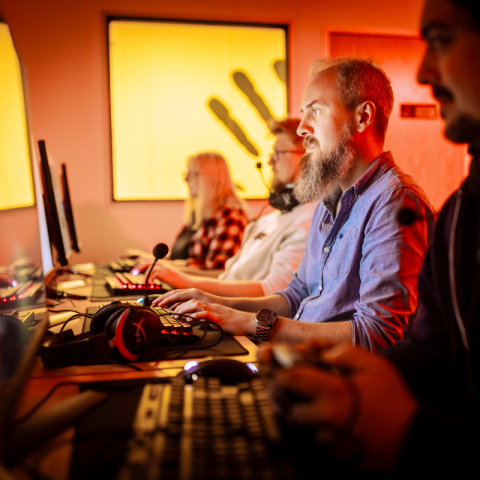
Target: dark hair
(289,126)
(473,6)
(358,80)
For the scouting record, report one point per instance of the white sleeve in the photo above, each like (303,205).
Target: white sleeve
(288,257)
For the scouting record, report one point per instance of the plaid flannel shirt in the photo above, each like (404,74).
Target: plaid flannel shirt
(217,239)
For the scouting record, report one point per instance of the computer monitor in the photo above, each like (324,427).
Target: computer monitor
(68,207)
(23,261)
(56,219)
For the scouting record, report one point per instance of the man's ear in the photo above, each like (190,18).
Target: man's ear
(365,115)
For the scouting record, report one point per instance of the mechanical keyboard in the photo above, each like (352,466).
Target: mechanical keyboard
(122,264)
(128,284)
(206,430)
(20,295)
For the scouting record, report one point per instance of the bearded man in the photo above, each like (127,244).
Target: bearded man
(357,282)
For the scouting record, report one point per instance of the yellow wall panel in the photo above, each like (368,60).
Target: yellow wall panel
(16,187)
(167,80)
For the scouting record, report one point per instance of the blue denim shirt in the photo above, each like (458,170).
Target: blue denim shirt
(363,266)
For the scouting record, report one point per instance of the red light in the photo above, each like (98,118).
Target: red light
(124,286)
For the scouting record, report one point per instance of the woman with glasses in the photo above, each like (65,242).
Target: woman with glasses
(214,215)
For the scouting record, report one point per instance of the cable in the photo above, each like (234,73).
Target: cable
(62,311)
(42,401)
(78,315)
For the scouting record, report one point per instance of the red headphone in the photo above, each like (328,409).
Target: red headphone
(131,329)
(117,328)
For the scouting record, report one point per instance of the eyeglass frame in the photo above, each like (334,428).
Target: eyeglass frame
(276,155)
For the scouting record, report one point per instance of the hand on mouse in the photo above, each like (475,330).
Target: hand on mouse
(370,407)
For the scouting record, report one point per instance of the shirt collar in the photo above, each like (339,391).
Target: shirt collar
(379,166)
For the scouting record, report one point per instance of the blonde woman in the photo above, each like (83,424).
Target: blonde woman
(214,216)
(215,219)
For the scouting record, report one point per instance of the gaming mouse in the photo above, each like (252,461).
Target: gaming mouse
(5,281)
(229,371)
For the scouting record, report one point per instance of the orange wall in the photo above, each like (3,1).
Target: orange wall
(63,47)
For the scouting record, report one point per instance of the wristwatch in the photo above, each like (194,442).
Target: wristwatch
(265,320)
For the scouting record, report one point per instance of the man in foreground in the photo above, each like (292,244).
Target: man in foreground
(357,282)
(273,245)
(417,410)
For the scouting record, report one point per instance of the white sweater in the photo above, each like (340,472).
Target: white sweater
(272,249)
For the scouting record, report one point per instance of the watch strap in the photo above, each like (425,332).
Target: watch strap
(261,333)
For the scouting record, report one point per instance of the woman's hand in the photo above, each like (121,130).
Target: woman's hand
(179,296)
(172,276)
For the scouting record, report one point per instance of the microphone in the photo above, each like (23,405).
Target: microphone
(159,251)
(259,167)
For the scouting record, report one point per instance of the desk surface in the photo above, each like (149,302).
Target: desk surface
(53,458)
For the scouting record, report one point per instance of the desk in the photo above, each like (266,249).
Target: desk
(55,461)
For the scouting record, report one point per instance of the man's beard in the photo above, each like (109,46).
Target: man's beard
(465,129)
(322,170)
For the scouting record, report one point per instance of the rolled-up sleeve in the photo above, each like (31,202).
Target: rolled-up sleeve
(392,255)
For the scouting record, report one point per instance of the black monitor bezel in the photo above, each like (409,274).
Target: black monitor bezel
(53,218)
(67,203)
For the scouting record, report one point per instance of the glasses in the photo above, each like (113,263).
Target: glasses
(190,174)
(276,155)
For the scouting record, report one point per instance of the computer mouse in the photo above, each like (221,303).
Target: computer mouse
(229,371)
(5,281)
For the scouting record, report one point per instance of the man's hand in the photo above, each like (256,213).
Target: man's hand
(201,305)
(231,321)
(371,401)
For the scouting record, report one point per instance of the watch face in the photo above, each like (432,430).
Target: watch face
(267,316)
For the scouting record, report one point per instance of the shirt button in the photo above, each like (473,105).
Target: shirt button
(359,195)
(326,249)
(320,288)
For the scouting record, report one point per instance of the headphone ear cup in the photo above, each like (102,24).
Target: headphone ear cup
(112,321)
(134,331)
(283,199)
(97,325)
